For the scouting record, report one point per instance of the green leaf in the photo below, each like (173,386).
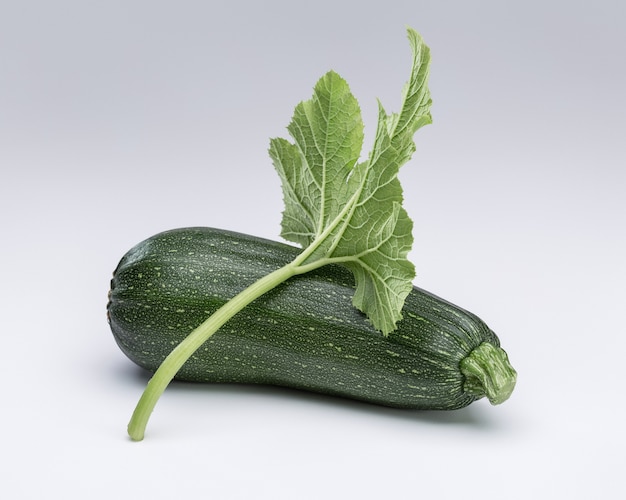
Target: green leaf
(343,211)
(340,210)
(328,134)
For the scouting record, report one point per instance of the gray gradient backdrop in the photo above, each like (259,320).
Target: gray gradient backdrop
(120,119)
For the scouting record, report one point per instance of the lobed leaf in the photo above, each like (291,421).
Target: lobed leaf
(344,211)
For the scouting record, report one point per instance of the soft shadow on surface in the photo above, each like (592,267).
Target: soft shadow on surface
(475,416)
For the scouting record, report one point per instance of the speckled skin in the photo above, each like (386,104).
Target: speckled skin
(304,334)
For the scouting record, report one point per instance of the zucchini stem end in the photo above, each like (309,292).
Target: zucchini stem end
(488,372)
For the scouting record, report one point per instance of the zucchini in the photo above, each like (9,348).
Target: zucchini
(304,334)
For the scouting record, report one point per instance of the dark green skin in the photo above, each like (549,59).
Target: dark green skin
(304,334)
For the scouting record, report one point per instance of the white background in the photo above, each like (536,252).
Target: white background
(121,119)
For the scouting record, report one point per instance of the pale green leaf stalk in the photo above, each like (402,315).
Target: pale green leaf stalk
(339,209)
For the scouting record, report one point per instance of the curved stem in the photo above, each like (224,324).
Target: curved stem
(488,373)
(176,359)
